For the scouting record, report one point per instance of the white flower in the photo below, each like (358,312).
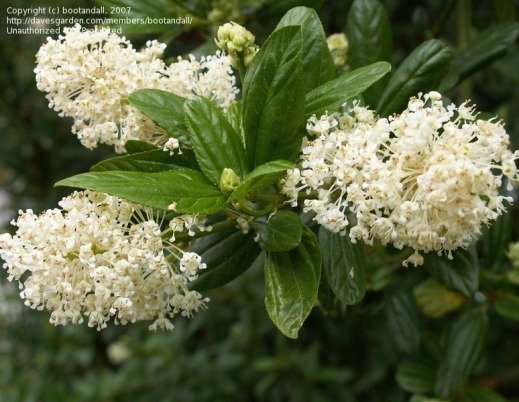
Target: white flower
(88,75)
(101,257)
(190,264)
(171,145)
(428,178)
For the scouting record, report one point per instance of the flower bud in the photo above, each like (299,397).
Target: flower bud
(338,46)
(229,180)
(237,42)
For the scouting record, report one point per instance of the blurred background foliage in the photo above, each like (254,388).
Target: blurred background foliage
(418,331)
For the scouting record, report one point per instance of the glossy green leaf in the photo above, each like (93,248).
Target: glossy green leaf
(148,161)
(481,394)
(508,306)
(460,274)
(164,108)
(234,115)
(273,99)
(465,344)
(486,47)
(318,66)
(403,320)
(333,94)
(227,254)
(135,146)
(216,143)
(264,175)
(281,232)
(421,71)
(291,284)
(370,40)
(190,190)
(345,266)
(415,377)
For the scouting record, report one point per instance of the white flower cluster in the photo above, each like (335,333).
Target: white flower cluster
(101,257)
(428,178)
(88,75)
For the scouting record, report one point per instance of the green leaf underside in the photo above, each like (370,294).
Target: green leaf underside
(370,40)
(416,377)
(421,71)
(216,143)
(460,274)
(291,284)
(487,47)
(344,264)
(333,94)
(261,177)
(164,108)
(465,345)
(227,254)
(148,161)
(189,189)
(282,231)
(273,99)
(318,66)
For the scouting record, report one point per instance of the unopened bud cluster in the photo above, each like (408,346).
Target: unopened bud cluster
(338,47)
(237,42)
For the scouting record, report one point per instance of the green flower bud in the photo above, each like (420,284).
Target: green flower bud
(338,46)
(229,180)
(237,42)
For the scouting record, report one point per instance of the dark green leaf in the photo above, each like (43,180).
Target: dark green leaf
(487,47)
(465,345)
(421,71)
(481,394)
(216,143)
(345,265)
(148,161)
(508,306)
(164,108)
(291,284)
(333,94)
(273,99)
(261,177)
(370,40)
(189,189)
(415,377)
(403,320)
(460,274)
(135,146)
(227,254)
(496,240)
(282,231)
(318,64)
